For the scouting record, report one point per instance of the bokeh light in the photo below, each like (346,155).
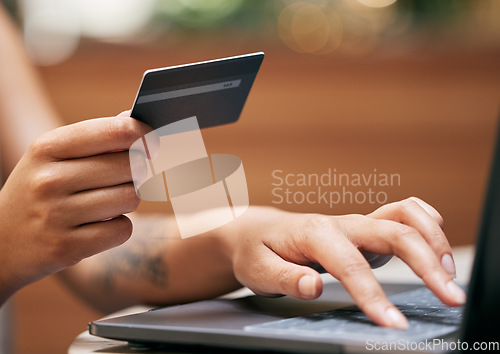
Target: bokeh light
(194,14)
(51,31)
(113,19)
(310,27)
(377,3)
(54,28)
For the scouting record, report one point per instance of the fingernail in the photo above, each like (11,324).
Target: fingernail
(449,265)
(455,291)
(307,286)
(396,318)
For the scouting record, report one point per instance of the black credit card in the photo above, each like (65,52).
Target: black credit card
(214,91)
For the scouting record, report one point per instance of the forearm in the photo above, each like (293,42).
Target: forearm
(155,267)
(25,110)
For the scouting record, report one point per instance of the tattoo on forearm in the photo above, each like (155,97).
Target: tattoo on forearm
(141,258)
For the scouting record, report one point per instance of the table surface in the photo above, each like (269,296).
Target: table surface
(394,272)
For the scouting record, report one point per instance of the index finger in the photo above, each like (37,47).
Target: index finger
(91,137)
(388,237)
(333,250)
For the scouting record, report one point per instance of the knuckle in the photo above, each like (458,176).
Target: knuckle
(46,181)
(41,147)
(353,267)
(392,210)
(436,238)
(359,219)
(283,280)
(311,226)
(408,204)
(60,249)
(404,232)
(317,222)
(402,236)
(122,129)
(433,213)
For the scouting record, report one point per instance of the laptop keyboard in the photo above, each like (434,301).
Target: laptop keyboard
(427,316)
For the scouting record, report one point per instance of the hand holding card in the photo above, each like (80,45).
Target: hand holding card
(206,191)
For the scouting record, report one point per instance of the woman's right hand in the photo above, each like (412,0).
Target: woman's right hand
(65,199)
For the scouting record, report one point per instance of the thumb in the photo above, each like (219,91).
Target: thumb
(280,277)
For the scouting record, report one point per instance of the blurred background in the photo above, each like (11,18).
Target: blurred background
(401,87)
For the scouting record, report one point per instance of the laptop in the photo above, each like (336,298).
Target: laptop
(331,323)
